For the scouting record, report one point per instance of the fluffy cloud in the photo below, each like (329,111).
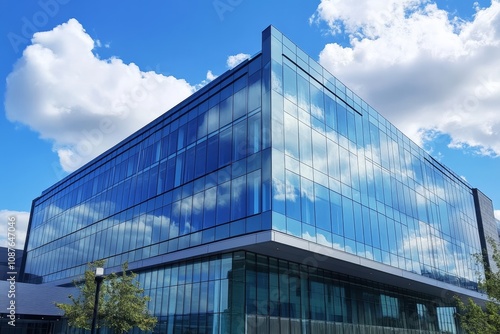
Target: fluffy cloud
(233,61)
(434,73)
(21,220)
(497,215)
(82,103)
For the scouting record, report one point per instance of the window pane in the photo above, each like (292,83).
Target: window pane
(226,111)
(223,200)
(253,192)
(293,195)
(238,197)
(239,140)
(254,134)
(240,103)
(225,147)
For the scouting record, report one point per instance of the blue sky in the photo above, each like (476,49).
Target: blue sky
(431,68)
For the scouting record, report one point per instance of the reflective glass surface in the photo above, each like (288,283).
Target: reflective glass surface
(193,176)
(278,133)
(244,292)
(346,178)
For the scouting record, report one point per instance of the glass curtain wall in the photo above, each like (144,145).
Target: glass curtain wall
(244,292)
(345,178)
(199,174)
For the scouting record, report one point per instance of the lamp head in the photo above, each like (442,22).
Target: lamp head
(99,272)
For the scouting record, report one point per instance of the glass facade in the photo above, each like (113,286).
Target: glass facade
(346,178)
(210,295)
(196,175)
(279,145)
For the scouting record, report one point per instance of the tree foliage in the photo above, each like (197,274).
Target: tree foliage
(484,320)
(122,305)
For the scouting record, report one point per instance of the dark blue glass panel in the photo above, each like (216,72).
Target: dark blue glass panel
(254,134)
(170,177)
(179,169)
(185,216)
(239,140)
(254,92)
(240,104)
(238,197)
(223,203)
(189,164)
(225,147)
(213,119)
(212,153)
(192,131)
(210,204)
(226,111)
(201,159)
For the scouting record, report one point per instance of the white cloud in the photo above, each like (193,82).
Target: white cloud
(497,215)
(84,104)
(18,228)
(233,61)
(433,72)
(211,76)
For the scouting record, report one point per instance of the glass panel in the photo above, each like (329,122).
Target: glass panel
(225,149)
(322,207)
(253,193)
(223,203)
(226,111)
(293,195)
(254,134)
(240,104)
(307,200)
(238,197)
(240,140)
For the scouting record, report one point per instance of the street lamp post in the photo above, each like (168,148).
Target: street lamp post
(99,276)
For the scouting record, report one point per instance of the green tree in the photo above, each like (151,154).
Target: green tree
(473,317)
(122,305)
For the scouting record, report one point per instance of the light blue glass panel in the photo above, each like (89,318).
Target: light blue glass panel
(303,90)
(307,200)
(336,213)
(317,101)
(291,136)
(254,138)
(292,195)
(290,83)
(305,144)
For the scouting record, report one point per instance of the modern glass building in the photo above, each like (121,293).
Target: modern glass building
(273,200)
